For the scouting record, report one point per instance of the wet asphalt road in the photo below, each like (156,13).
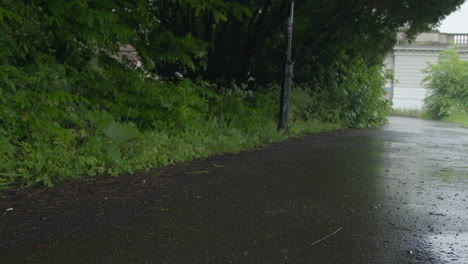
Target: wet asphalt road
(393,195)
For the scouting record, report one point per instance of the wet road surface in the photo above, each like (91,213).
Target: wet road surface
(393,195)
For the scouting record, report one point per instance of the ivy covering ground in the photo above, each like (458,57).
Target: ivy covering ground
(97,87)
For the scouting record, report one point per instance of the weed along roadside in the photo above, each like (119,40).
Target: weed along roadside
(238,120)
(198,123)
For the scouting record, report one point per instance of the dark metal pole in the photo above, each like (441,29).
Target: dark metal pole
(288,74)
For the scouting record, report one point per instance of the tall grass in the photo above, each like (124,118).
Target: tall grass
(188,122)
(406,112)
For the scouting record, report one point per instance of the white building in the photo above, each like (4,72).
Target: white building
(407,60)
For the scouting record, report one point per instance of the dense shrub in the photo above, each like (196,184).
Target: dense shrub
(353,96)
(447,83)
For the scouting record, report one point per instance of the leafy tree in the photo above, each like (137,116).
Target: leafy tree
(250,39)
(447,83)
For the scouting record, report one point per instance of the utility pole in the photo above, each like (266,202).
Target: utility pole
(288,74)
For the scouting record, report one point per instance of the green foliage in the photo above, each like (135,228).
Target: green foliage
(120,133)
(447,83)
(73,102)
(355,97)
(253,44)
(188,121)
(407,113)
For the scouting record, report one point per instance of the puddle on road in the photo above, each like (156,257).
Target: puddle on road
(451,247)
(451,175)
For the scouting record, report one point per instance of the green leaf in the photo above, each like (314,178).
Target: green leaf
(121,133)
(101,119)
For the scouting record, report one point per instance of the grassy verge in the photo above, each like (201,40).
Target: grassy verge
(159,149)
(407,113)
(459,118)
(150,150)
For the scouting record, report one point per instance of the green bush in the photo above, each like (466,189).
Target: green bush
(447,83)
(351,93)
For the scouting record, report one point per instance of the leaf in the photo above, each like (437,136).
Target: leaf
(8,14)
(121,133)
(58,97)
(101,119)
(11,174)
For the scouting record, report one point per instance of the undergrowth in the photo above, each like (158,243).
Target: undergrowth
(106,119)
(407,112)
(73,106)
(180,122)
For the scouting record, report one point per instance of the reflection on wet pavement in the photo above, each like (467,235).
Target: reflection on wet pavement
(452,247)
(434,187)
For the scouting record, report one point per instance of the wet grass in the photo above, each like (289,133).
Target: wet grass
(459,118)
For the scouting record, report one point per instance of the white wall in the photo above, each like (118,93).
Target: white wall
(407,63)
(408,91)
